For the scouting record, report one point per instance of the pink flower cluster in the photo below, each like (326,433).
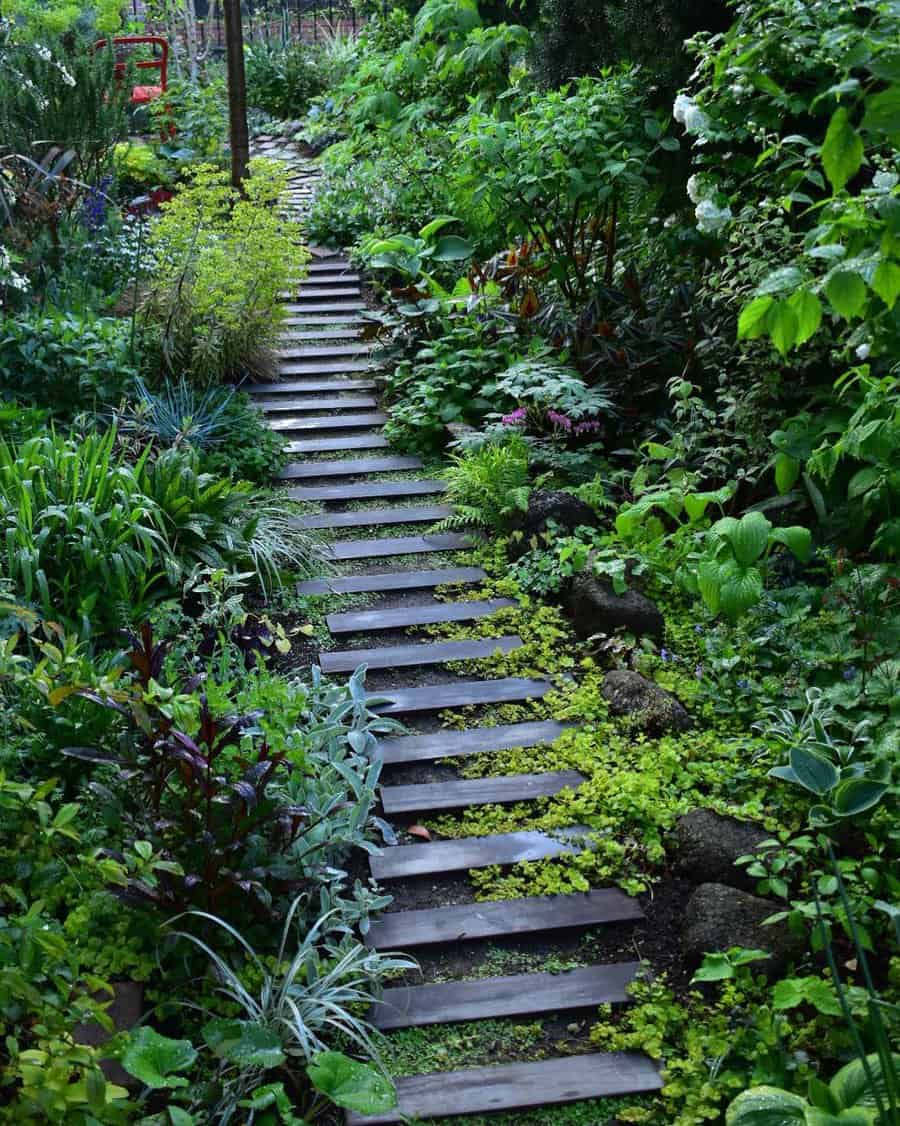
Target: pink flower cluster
(517,418)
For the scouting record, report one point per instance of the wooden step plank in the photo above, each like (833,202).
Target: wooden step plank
(303,386)
(437,857)
(381,517)
(329,422)
(301,403)
(326,267)
(501,918)
(404,656)
(392,580)
(462,694)
(354,468)
(492,998)
(319,292)
(400,545)
(303,309)
(312,336)
(359,620)
(352,321)
(517,1086)
(368,490)
(327,275)
(323,367)
(475,741)
(332,445)
(434,796)
(323,351)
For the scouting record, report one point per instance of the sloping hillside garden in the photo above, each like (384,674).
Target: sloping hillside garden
(633,294)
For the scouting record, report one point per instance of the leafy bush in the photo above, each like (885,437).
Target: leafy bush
(489,486)
(65,362)
(282,79)
(194,116)
(250,450)
(220,262)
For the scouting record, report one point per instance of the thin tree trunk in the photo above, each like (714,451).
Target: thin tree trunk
(237,91)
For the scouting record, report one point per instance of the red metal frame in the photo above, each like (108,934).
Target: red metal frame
(141,95)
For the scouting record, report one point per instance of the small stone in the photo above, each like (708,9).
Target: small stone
(706,845)
(652,708)
(596,608)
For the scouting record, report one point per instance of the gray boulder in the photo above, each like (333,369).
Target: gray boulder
(706,845)
(718,917)
(596,608)
(653,708)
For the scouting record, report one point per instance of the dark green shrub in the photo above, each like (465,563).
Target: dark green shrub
(282,79)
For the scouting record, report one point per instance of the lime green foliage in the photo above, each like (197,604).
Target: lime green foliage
(138,164)
(416,1051)
(38,19)
(489,486)
(221,261)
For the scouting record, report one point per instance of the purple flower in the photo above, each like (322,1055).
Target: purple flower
(698,672)
(665,655)
(589,426)
(93,210)
(561,420)
(517,418)
(743,684)
(849,673)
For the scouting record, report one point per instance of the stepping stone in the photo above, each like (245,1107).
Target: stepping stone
(329,422)
(392,580)
(401,545)
(461,694)
(357,621)
(433,796)
(327,445)
(419,514)
(358,402)
(323,367)
(366,490)
(401,656)
(475,741)
(354,468)
(437,857)
(430,926)
(516,1086)
(300,386)
(491,998)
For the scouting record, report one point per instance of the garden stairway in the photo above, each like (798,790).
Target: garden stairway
(377,511)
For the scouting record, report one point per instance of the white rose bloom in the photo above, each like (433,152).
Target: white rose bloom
(695,189)
(862,352)
(682,104)
(711,218)
(695,120)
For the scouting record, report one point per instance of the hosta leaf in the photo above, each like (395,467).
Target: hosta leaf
(351,1084)
(797,539)
(856,795)
(842,150)
(749,537)
(153,1058)
(767,1106)
(851,1086)
(814,772)
(244,1042)
(741,592)
(787,470)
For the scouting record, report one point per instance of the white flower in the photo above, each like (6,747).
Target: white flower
(695,189)
(42,52)
(689,114)
(862,352)
(710,217)
(682,104)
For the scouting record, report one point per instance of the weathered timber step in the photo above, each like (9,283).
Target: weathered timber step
(301,403)
(356,467)
(501,918)
(461,694)
(491,998)
(306,307)
(434,796)
(326,275)
(329,422)
(473,852)
(327,267)
(367,490)
(324,291)
(392,580)
(353,321)
(323,334)
(516,1086)
(323,367)
(475,741)
(366,517)
(358,620)
(402,656)
(304,386)
(330,445)
(323,351)
(399,545)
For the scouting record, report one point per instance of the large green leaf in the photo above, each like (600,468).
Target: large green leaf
(883,113)
(784,326)
(851,1085)
(797,539)
(787,470)
(749,538)
(452,248)
(767,1106)
(351,1084)
(153,1058)
(886,282)
(740,591)
(809,313)
(856,795)
(847,293)
(842,150)
(709,584)
(813,771)
(754,318)
(244,1042)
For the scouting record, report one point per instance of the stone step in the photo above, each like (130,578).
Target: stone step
(400,545)
(372,441)
(357,621)
(381,517)
(367,490)
(309,386)
(437,857)
(301,403)
(461,694)
(357,467)
(493,998)
(329,422)
(501,918)
(434,796)
(392,580)
(405,656)
(475,741)
(516,1086)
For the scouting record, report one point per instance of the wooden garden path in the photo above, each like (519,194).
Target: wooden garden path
(326,405)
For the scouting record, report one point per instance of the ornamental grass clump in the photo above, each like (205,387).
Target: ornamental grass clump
(220,261)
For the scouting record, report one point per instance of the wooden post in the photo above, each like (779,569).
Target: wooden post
(237,91)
